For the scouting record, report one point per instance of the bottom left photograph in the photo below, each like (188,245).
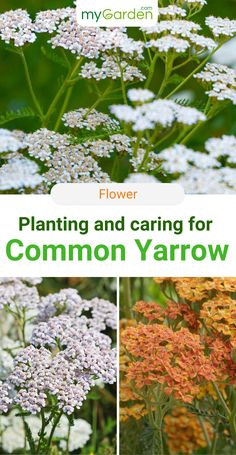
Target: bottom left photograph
(58,366)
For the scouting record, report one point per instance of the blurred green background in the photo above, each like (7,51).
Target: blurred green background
(47,76)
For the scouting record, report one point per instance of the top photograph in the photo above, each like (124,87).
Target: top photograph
(140,104)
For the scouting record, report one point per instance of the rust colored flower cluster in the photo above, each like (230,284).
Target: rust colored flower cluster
(184,431)
(197,289)
(173,311)
(179,355)
(219,314)
(174,359)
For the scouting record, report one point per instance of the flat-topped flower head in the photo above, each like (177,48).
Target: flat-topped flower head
(27,175)
(221,80)
(15,294)
(11,141)
(172,11)
(139,95)
(81,41)
(221,27)
(117,40)
(79,433)
(43,143)
(160,355)
(89,119)
(67,353)
(110,69)
(16,27)
(157,112)
(141,178)
(224,146)
(179,27)
(180,159)
(196,2)
(209,181)
(169,43)
(47,21)
(201,42)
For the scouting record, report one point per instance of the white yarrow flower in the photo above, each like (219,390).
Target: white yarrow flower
(169,43)
(11,141)
(221,26)
(19,173)
(16,26)
(139,95)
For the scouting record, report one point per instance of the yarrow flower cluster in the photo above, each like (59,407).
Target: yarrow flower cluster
(184,431)
(222,81)
(221,26)
(84,352)
(180,159)
(16,26)
(157,112)
(90,120)
(27,175)
(110,69)
(187,334)
(11,141)
(137,130)
(15,293)
(174,367)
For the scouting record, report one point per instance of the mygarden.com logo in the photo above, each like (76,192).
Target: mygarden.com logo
(118,13)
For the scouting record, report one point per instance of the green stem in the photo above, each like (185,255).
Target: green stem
(60,92)
(122,82)
(182,64)
(99,100)
(23,328)
(68,440)
(214,442)
(151,71)
(193,72)
(221,399)
(137,143)
(30,85)
(127,296)
(164,138)
(168,71)
(56,421)
(95,423)
(232,424)
(204,430)
(42,431)
(63,109)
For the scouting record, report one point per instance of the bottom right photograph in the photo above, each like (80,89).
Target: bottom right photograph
(178,366)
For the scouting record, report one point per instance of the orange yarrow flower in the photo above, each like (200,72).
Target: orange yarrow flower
(184,432)
(174,359)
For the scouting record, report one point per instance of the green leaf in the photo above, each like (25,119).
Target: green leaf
(175,79)
(94,395)
(29,438)
(14,115)
(199,104)
(148,441)
(53,56)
